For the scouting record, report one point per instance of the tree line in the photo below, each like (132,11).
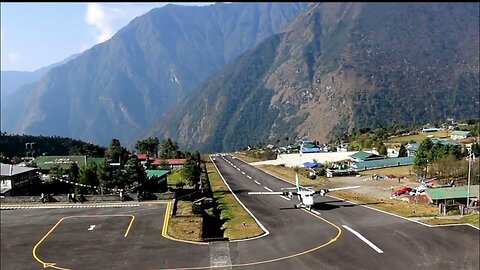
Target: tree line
(120,169)
(446,162)
(13,147)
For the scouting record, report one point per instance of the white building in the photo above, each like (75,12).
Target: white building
(392,152)
(458,135)
(16,180)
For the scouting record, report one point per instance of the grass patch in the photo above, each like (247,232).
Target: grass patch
(185,225)
(184,208)
(186,228)
(473,219)
(420,137)
(174,177)
(238,224)
(397,171)
(469,219)
(246,158)
(401,208)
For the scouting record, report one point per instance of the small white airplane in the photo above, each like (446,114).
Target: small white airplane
(304,194)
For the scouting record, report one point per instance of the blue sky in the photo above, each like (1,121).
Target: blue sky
(35,35)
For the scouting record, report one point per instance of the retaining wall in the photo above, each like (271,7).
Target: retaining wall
(88,198)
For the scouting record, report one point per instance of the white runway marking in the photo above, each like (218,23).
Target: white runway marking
(249,177)
(256,182)
(363,239)
(267,188)
(243,172)
(14,207)
(318,213)
(91,227)
(283,197)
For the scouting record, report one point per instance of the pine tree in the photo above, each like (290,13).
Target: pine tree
(136,176)
(403,151)
(88,176)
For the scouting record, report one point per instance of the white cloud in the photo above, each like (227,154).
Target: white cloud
(13,57)
(108,18)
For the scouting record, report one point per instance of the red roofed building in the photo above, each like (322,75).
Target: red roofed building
(143,157)
(174,163)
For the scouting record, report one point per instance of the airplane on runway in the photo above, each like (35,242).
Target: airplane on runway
(304,194)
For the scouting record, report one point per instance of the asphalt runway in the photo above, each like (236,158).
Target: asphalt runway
(398,243)
(130,237)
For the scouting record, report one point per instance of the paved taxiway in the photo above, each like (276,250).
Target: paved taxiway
(65,238)
(131,237)
(397,243)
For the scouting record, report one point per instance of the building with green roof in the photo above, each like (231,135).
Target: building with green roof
(457,194)
(383,163)
(158,179)
(444,142)
(364,156)
(458,134)
(157,173)
(45,163)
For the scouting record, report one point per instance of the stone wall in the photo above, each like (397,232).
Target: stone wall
(88,198)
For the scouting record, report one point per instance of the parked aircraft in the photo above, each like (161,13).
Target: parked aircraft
(304,194)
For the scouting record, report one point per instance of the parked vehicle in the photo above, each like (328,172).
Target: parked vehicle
(418,190)
(402,190)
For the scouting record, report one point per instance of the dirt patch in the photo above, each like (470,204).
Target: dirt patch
(374,188)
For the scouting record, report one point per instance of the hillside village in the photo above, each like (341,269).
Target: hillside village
(118,173)
(153,165)
(430,183)
(258,135)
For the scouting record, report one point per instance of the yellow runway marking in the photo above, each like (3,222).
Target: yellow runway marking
(166,219)
(44,264)
(129,226)
(54,265)
(339,232)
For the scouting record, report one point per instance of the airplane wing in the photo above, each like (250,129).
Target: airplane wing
(343,188)
(325,191)
(268,193)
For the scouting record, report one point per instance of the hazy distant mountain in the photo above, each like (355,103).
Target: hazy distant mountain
(11,96)
(117,88)
(336,67)
(12,80)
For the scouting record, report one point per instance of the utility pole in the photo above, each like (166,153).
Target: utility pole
(470,155)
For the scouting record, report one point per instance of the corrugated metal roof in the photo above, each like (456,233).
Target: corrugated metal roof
(460,133)
(9,170)
(47,162)
(172,161)
(452,192)
(4,190)
(381,163)
(444,142)
(362,155)
(156,173)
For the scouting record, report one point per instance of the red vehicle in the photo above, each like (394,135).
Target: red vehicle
(402,190)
